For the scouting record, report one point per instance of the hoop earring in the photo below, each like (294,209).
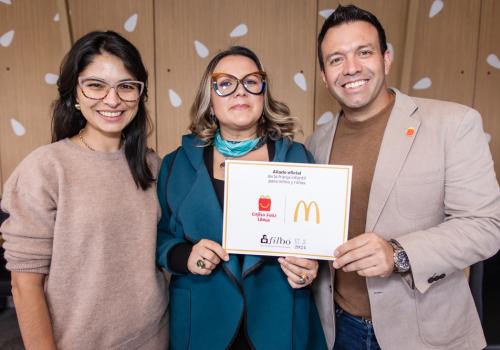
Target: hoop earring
(77,106)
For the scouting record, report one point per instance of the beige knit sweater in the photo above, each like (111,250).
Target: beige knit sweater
(77,216)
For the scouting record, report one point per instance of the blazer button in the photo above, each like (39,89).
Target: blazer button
(431,280)
(441,276)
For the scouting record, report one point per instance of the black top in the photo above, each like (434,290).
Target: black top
(4,274)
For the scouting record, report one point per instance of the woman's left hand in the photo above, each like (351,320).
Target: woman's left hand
(300,272)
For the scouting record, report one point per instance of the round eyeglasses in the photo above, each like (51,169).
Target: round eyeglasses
(97,89)
(226,84)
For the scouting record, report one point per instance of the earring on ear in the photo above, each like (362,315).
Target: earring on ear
(77,106)
(213,118)
(262,119)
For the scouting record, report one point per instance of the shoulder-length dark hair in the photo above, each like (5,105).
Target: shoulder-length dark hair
(67,120)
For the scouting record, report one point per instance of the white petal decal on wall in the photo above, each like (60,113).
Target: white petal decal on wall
(326,13)
(423,84)
(6,39)
(493,60)
(51,79)
(300,80)
(130,23)
(240,30)
(488,137)
(201,49)
(175,100)
(325,118)
(436,7)
(56,18)
(8,2)
(17,127)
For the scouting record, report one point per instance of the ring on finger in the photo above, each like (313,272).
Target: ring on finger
(200,263)
(302,278)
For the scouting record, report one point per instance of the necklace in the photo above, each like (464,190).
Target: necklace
(80,135)
(235,149)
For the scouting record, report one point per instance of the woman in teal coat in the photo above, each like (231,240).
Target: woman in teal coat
(220,301)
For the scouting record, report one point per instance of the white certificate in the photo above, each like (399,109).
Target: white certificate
(285,209)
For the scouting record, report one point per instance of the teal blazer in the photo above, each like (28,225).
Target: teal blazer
(206,311)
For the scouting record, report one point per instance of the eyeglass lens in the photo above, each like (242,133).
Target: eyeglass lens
(127,90)
(226,84)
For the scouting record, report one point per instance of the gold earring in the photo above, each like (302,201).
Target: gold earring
(77,106)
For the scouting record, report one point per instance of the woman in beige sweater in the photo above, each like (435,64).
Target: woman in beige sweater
(80,239)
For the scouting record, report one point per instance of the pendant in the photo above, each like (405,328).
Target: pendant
(222,165)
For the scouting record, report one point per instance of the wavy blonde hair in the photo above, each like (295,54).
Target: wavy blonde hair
(276,122)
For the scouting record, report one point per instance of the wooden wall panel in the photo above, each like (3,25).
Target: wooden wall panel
(281,32)
(395,30)
(35,50)
(118,15)
(487,87)
(449,48)
(446,49)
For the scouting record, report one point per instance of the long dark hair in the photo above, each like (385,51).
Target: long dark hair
(67,121)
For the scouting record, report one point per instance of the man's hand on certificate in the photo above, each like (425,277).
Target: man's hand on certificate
(300,272)
(368,254)
(205,256)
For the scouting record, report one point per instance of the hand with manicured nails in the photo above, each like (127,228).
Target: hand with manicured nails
(368,254)
(210,253)
(300,272)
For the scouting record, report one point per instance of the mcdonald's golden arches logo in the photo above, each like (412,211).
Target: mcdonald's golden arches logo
(307,210)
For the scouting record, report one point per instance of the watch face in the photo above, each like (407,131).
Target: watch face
(402,263)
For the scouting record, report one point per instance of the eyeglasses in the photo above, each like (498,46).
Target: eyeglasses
(226,84)
(97,89)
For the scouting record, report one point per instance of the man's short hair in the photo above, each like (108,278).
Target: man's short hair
(348,14)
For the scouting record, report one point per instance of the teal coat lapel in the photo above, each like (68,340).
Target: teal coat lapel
(203,219)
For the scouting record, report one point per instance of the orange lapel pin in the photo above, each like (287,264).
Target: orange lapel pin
(410,132)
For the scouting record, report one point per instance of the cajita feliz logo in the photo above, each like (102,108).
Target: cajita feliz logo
(264,213)
(264,203)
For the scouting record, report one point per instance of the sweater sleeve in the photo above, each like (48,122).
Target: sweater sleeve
(30,200)
(154,162)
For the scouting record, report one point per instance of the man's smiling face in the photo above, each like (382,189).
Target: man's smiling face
(355,68)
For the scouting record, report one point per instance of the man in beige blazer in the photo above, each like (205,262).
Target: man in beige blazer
(425,202)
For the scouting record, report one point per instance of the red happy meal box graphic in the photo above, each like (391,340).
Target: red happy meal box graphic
(264,203)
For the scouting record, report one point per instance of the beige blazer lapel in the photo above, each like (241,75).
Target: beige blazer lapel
(393,152)
(321,145)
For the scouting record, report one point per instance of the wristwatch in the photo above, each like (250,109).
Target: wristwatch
(401,261)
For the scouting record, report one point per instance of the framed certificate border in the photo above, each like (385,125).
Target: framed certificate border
(235,166)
